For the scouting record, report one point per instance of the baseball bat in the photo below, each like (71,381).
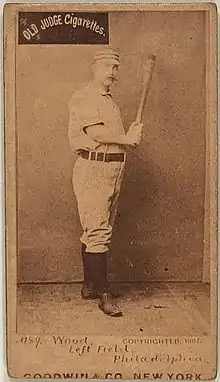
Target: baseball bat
(148,72)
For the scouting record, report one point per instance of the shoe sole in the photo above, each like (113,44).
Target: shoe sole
(89,297)
(118,314)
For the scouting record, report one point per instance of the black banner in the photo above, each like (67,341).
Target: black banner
(63,28)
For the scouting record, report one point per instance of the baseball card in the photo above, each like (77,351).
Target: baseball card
(110,134)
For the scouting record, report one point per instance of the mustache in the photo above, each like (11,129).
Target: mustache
(113,78)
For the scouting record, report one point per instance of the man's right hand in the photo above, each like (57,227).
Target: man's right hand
(134,134)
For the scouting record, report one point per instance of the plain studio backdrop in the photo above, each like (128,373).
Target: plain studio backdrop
(160,224)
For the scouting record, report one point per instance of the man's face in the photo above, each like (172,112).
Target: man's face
(105,71)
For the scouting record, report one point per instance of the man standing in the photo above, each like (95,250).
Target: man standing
(97,135)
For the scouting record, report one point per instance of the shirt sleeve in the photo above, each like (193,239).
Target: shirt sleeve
(79,119)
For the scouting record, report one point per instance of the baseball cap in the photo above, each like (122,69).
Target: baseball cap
(107,54)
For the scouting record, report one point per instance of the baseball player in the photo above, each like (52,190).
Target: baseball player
(97,135)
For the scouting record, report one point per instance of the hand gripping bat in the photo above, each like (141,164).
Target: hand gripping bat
(148,72)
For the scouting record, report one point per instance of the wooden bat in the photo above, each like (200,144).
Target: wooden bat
(148,72)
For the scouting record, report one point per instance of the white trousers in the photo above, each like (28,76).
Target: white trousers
(97,186)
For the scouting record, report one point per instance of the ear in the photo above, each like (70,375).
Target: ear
(94,65)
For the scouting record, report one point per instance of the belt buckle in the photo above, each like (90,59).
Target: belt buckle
(96,155)
(92,155)
(104,157)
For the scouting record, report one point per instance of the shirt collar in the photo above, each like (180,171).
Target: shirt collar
(99,90)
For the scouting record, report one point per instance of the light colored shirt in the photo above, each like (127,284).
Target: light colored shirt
(90,106)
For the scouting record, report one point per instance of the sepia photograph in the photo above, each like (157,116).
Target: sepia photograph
(110,135)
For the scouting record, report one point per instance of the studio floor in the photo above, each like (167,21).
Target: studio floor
(162,308)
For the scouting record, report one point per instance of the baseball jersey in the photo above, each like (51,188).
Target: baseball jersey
(90,106)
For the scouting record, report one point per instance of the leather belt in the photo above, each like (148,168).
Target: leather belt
(102,157)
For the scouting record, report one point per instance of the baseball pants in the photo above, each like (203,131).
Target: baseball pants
(97,186)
